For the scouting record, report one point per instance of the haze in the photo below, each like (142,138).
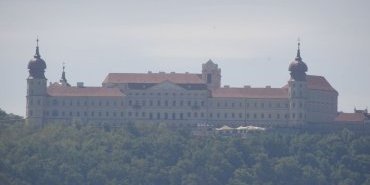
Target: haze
(252,41)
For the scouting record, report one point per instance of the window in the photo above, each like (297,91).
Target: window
(173,116)
(30,113)
(209,78)
(55,102)
(181,116)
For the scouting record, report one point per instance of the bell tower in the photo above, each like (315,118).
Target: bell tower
(36,89)
(211,75)
(297,90)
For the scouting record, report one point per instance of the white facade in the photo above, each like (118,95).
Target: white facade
(181,98)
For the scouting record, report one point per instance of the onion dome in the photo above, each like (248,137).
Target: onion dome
(37,65)
(298,68)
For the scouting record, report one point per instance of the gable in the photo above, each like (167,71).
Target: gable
(166,85)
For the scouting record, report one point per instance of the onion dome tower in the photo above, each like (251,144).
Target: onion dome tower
(37,65)
(297,90)
(36,89)
(298,68)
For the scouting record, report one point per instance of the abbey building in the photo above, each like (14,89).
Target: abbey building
(179,98)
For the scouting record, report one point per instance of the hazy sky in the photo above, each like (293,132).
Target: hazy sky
(253,41)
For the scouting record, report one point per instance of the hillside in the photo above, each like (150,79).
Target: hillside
(155,154)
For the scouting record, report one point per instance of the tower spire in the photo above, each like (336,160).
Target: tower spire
(37,48)
(298,57)
(63,79)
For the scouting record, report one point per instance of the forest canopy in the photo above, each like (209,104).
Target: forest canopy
(145,154)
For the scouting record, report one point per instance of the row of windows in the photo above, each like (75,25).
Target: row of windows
(86,103)
(254,105)
(173,103)
(56,113)
(167,94)
(166,115)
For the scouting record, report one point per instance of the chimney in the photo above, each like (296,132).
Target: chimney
(226,86)
(268,86)
(80,84)
(247,86)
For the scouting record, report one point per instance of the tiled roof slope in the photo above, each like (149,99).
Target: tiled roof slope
(350,117)
(317,83)
(278,93)
(177,78)
(55,90)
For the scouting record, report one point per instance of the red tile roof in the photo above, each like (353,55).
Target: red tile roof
(350,117)
(177,78)
(56,90)
(278,93)
(317,83)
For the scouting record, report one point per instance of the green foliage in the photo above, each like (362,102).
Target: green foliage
(143,154)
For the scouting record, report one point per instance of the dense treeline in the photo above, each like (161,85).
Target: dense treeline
(156,154)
